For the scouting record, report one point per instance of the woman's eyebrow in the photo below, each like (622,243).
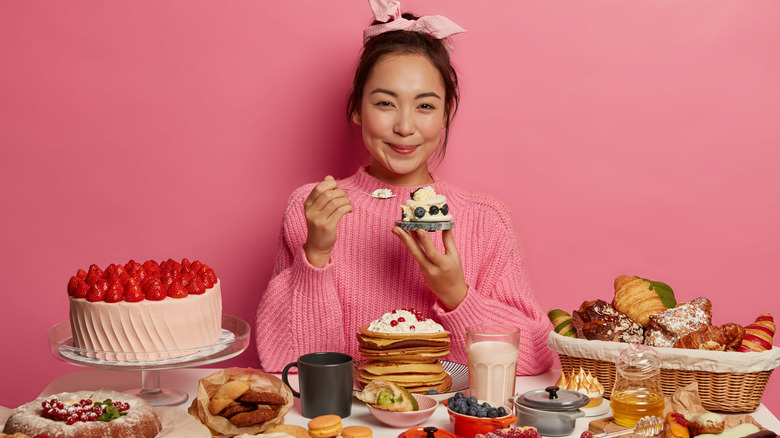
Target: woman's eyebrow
(394,94)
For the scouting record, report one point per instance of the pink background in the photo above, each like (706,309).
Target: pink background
(627,137)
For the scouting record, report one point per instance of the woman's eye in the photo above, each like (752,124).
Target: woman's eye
(427,106)
(383,103)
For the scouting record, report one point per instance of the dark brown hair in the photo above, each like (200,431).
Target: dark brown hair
(404,42)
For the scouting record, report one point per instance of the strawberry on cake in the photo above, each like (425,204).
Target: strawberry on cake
(145,312)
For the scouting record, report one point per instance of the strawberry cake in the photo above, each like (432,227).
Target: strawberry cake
(85,414)
(145,312)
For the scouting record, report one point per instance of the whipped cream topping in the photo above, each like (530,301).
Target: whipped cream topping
(583,382)
(404,321)
(382,193)
(423,194)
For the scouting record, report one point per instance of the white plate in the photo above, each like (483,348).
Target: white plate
(595,411)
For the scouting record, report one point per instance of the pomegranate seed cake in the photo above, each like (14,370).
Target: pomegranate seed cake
(85,414)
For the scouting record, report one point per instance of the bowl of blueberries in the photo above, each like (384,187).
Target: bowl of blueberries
(469,416)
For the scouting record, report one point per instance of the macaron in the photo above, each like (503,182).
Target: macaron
(325,426)
(357,432)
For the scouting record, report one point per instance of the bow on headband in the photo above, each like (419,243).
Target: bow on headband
(389,13)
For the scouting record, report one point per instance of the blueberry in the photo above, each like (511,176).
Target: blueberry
(481,413)
(472,401)
(458,395)
(403,215)
(434,210)
(433,391)
(486,405)
(501,411)
(419,212)
(492,413)
(445,209)
(473,411)
(451,402)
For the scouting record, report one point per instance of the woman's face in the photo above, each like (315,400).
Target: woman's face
(402,118)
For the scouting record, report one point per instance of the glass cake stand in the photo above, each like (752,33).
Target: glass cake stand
(233,341)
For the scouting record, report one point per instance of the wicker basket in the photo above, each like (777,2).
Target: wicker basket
(728,391)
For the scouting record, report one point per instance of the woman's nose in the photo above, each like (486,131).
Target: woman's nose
(404,124)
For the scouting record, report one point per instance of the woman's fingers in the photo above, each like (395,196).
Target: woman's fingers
(410,241)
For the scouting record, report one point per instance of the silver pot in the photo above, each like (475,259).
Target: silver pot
(552,411)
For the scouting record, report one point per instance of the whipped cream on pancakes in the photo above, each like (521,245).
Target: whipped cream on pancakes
(404,321)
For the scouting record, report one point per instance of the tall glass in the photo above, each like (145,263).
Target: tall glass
(492,354)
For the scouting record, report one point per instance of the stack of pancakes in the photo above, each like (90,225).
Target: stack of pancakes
(410,360)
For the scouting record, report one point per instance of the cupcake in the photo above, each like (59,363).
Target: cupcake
(585,383)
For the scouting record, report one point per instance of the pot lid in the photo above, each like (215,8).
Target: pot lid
(553,398)
(427,432)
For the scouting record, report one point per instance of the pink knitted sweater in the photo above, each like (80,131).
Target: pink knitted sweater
(307,309)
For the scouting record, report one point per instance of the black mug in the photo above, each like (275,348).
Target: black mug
(325,381)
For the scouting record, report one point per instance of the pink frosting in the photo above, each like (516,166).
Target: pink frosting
(147,330)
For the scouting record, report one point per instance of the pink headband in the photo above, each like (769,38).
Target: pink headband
(389,13)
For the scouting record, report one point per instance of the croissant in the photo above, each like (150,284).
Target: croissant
(639,298)
(708,338)
(758,335)
(734,334)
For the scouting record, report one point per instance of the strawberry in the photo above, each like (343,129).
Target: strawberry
(185,263)
(133,293)
(95,269)
(211,275)
(82,274)
(96,293)
(167,280)
(110,272)
(82,288)
(206,281)
(186,277)
(120,270)
(115,294)
(177,290)
(73,285)
(196,265)
(155,291)
(92,278)
(150,266)
(174,265)
(196,286)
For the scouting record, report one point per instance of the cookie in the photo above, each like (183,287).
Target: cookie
(246,419)
(262,398)
(227,394)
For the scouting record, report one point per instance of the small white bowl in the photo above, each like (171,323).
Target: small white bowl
(407,419)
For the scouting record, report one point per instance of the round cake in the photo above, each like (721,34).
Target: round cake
(145,312)
(86,414)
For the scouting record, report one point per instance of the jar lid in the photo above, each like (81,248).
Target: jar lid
(553,398)
(423,432)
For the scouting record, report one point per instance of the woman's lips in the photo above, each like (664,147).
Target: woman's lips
(403,150)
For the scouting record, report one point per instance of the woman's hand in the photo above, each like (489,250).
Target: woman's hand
(323,208)
(443,272)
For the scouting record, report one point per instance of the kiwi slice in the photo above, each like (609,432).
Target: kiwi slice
(407,394)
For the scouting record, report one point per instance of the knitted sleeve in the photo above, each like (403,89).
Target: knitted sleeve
(299,312)
(499,292)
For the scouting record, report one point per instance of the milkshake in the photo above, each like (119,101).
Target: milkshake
(492,361)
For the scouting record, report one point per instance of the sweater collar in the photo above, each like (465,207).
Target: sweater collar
(370,183)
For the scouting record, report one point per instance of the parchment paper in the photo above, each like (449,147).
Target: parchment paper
(260,381)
